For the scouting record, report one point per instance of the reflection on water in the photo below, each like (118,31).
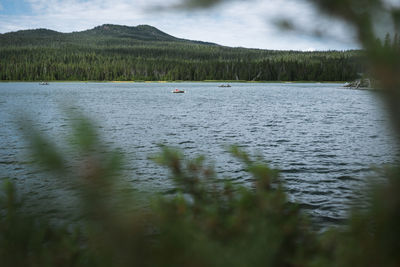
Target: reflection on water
(323,138)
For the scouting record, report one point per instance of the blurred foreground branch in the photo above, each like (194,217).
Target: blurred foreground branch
(209,222)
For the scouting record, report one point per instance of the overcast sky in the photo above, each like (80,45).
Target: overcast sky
(240,23)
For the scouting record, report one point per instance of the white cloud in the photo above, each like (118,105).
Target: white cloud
(251,25)
(239,23)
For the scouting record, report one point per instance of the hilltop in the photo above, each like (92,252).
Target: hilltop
(106,34)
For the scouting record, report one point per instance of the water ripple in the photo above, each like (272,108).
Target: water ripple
(323,139)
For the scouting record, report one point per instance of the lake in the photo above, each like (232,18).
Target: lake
(323,138)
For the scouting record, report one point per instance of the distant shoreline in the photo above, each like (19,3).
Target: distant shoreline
(178,81)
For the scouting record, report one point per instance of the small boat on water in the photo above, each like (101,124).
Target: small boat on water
(177,91)
(44,83)
(224,85)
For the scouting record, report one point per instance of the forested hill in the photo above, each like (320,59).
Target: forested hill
(105,35)
(113,52)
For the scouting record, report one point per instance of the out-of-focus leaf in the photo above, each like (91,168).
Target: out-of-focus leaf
(42,149)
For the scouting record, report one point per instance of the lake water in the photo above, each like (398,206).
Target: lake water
(323,138)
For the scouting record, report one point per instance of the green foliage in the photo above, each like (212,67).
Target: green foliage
(111,52)
(29,241)
(214,223)
(208,221)
(371,236)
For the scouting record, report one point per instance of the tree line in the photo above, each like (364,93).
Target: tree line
(51,57)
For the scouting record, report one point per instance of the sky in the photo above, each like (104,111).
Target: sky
(241,23)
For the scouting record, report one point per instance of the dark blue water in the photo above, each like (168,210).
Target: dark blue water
(323,138)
